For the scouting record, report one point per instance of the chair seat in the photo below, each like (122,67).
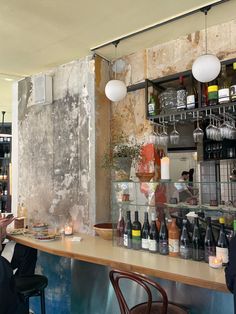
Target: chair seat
(30,285)
(157,308)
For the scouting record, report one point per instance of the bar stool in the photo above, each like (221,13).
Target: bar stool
(32,286)
(149,307)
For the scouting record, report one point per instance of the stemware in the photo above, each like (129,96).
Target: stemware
(164,138)
(174,136)
(198,133)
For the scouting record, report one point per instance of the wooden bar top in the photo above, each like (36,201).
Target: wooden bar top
(96,250)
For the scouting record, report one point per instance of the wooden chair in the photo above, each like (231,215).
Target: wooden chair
(149,307)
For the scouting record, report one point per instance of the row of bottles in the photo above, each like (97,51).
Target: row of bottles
(219,91)
(3,173)
(157,237)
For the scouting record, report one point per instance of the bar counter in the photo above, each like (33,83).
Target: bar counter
(98,251)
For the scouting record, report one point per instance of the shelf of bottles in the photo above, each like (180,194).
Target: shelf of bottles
(161,217)
(5,160)
(180,97)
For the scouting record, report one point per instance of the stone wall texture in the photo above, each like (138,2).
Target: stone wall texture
(57,147)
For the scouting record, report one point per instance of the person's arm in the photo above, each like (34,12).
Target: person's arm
(4,222)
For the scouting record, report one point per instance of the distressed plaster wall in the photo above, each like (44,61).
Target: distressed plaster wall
(175,56)
(57,147)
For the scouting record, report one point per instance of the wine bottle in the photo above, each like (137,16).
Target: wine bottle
(224,84)
(213,93)
(232,89)
(136,232)
(120,229)
(153,235)
(145,233)
(197,242)
(173,238)
(191,97)
(222,246)
(163,238)
(209,241)
(128,231)
(152,106)
(181,94)
(185,245)
(234,226)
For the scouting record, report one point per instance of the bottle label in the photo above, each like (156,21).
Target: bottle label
(127,241)
(153,245)
(185,251)
(151,109)
(190,99)
(136,233)
(145,244)
(222,253)
(163,247)
(233,92)
(223,95)
(174,245)
(181,98)
(213,95)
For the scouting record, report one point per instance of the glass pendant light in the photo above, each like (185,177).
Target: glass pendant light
(115,90)
(206,67)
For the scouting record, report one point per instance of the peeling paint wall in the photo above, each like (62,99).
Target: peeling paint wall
(57,147)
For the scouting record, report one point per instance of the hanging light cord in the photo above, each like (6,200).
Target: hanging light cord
(115,43)
(206,29)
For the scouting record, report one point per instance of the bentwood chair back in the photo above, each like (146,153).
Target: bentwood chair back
(148,307)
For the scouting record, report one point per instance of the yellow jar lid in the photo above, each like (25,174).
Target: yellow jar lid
(222,220)
(234,65)
(212,88)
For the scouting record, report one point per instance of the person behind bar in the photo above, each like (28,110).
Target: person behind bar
(230,270)
(182,187)
(23,262)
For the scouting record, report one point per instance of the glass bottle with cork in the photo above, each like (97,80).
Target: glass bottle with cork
(153,235)
(128,231)
(120,229)
(163,238)
(209,241)
(213,93)
(181,94)
(185,244)
(136,232)
(222,246)
(224,85)
(152,105)
(145,233)
(174,234)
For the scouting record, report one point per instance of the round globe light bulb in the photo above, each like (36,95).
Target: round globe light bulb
(206,68)
(115,90)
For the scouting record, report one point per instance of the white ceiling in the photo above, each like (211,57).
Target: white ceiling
(38,35)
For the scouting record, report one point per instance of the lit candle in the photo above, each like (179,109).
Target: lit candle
(68,229)
(215,262)
(165,168)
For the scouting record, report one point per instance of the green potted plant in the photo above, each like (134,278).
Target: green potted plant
(119,157)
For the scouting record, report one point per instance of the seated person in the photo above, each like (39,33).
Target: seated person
(230,270)
(23,261)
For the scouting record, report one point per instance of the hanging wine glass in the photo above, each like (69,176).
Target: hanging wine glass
(198,132)
(174,136)
(164,138)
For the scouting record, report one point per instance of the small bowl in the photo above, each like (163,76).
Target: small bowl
(104,230)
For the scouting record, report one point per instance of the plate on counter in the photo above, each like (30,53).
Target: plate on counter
(46,238)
